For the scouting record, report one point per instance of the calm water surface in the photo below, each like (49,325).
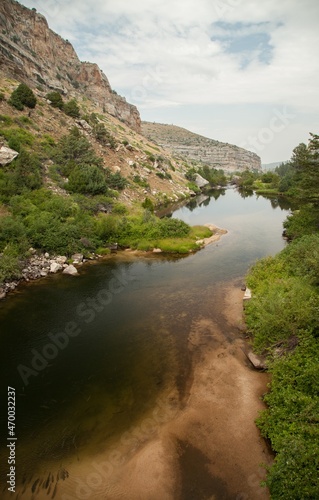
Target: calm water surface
(128,320)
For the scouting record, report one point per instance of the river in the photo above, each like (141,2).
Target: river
(94,358)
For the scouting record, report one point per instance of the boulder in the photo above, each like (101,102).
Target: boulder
(200,181)
(77,258)
(70,270)
(247,294)
(7,155)
(55,267)
(84,124)
(61,259)
(257,362)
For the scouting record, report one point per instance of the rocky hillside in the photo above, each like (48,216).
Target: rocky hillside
(148,169)
(31,52)
(192,146)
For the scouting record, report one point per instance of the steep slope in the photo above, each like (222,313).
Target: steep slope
(149,170)
(196,147)
(33,53)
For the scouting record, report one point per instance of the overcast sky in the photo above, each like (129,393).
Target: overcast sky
(239,71)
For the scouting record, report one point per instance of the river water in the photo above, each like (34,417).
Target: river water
(89,356)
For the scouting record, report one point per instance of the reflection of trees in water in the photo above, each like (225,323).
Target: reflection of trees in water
(278,201)
(203,200)
(245,193)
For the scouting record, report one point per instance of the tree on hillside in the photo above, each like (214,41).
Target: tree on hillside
(72,109)
(55,99)
(22,96)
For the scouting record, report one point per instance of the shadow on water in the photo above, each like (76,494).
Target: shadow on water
(196,480)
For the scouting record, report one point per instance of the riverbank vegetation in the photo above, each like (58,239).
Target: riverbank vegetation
(58,197)
(283,319)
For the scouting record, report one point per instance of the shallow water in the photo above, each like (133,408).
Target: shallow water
(90,355)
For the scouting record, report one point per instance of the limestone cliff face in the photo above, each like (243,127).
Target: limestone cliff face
(217,154)
(31,52)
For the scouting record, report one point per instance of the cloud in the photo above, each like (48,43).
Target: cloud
(164,54)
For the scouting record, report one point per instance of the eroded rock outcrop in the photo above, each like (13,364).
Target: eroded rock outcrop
(31,52)
(216,154)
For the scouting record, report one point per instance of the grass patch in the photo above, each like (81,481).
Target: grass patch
(180,245)
(200,232)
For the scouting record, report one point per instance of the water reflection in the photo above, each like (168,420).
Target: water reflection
(136,348)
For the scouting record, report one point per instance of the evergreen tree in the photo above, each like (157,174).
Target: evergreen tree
(23,96)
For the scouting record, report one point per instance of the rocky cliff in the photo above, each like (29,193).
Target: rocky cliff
(196,147)
(31,52)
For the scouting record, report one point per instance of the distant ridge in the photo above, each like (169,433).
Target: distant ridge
(195,147)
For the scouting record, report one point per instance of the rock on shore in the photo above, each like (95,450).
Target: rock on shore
(40,266)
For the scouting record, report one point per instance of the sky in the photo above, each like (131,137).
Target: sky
(244,72)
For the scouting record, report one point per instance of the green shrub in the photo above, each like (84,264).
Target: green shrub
(5,120)
(116,181)
(10,267)
(291,423)
(22,96)
(55,99)
(103,135)
(72,109)
(87,179)
(148,204)
(12,232)
(17,138)
(74,149)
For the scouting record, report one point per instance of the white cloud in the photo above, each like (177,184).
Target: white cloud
(172,56)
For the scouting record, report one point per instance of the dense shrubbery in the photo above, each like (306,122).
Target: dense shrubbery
(213,176)
(283,317)
(87,179)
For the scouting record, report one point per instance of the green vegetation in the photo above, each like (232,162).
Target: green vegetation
(72,109)
(213,176)
(56,99)
(283,318)
(22,96)
(87,218)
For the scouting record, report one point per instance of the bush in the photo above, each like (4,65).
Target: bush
(9,264)
(23,96)
(2,96)
(74,149)
(17,138)
(103,136)
(56,99)
(148,204)
(116,181)
(87,179)
(12,232)
(72,109)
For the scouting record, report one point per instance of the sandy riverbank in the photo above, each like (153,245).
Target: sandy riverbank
(207,448)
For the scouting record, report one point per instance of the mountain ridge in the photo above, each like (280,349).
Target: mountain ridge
(196,147)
